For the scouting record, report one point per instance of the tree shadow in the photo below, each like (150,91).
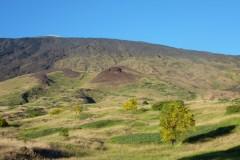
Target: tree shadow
(210,135)
(230,154)
(51,153)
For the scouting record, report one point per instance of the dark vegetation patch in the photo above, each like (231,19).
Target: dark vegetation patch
(90,95)
(139,138)
(116,75)
(233,109)
(221,131)
(55,111)
(237,100)
(158,106)
(33,94)
(101,124)
(3,122)
(64,132)
(39,132)
(230,154)
(34,112)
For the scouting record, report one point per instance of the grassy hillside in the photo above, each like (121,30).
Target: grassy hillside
(73,108)
(210,75)
(11,90)
(103,130)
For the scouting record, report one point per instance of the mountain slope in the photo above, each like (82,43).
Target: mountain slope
(201,72)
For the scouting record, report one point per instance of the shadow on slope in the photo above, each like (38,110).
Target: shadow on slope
(230,154)
(36,153)
(221,131)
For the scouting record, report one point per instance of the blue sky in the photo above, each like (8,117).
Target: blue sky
(211,25)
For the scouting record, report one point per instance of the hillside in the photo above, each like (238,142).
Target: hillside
(63,98)
(215,75)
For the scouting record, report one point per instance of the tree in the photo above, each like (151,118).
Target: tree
(175,121)
(131,104)
(78,109)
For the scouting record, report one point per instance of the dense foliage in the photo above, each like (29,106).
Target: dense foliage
(131,104)
(175,121)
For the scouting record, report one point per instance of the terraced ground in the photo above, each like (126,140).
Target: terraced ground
(50,125)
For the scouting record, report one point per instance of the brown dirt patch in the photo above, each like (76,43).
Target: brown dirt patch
(116,75)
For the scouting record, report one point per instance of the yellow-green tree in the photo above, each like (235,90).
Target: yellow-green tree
(131,104)
(78,109)
(175,121)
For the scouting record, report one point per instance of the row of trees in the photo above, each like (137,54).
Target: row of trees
(175,118)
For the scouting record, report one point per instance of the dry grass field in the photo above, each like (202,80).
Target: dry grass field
(49,125)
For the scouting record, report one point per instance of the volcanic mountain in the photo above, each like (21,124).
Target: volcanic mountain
(201,72)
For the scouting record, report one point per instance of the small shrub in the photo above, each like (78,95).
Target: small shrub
(64,132)
(3,122)
(78,109)
(145,102)
(233,109)
(55,111)
(158,106)
(131,104)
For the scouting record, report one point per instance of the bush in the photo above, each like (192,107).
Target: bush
(131,104)
(3,122)
(158,106)
(233,109)
(64,132)
(78,109)
(145,102)
(55,111)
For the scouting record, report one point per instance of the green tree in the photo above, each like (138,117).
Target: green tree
(131,104)
(175,121)
(78,109)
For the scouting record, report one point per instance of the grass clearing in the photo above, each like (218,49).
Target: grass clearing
(83,116)
(39,132)
(138,138)
(101,124)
